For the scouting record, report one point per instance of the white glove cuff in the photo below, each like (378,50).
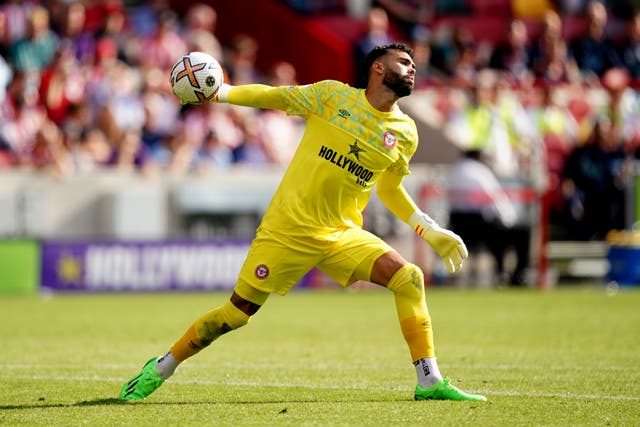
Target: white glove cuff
(421,222)
(223,92)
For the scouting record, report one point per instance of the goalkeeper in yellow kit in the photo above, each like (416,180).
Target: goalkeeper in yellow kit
(354,139)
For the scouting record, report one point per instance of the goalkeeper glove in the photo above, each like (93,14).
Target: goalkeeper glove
(444,242)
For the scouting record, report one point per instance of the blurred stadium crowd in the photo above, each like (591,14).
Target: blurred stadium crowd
(83,85)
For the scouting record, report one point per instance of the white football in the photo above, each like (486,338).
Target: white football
(196,78)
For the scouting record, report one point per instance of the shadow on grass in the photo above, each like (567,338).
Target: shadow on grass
(116,401)
(96,402)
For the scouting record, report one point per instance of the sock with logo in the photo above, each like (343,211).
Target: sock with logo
(407,284)
(427,371)
(166,365)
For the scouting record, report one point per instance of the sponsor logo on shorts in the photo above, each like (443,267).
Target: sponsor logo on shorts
(262,272)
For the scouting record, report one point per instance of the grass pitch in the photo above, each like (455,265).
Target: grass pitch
(562,357)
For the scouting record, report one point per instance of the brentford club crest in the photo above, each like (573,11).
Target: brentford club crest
(262,272)
(389,140)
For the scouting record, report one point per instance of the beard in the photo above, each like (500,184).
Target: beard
(397,83)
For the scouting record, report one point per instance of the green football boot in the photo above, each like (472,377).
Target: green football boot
(143,384)
(444,390)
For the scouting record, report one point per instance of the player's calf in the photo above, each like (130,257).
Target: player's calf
(203,332)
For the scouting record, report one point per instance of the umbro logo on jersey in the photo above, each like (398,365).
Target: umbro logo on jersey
(344,113)
(355,150)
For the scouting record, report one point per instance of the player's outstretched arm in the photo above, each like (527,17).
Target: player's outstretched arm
(252,95)
(448,245)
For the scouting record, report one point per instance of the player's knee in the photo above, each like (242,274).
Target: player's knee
(220,321)
(408,281)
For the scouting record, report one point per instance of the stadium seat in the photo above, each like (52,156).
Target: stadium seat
(491,7)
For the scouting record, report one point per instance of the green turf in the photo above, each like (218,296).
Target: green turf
(563,357)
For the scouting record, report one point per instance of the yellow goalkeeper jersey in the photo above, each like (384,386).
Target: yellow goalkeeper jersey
(346,146)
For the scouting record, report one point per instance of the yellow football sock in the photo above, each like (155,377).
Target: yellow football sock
(408,287)
(207,329)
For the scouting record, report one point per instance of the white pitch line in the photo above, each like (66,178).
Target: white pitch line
(324,387)
(323,366)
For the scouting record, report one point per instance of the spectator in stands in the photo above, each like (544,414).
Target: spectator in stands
(466,67)
(115,29)
(161,108)
(550,33)
(200,26)
(630,49)
(100,78)
(426,73)
(411,15)
(16,14)
(550,59)
(480,125)
(164,45)
(377,33)
(35,51)
(143,17)
(61,85)
(483,215)
(129,153)
(594,180)
(280,133)
(240,64)
(176,155)
(83,43)
(50,152)
(122,109)
(459,56)
(513,56)
(252,150)
(77,122)
(520,130)
(223,123)
(557,132)
(22,119)
(484,126)
(595,52)
(90,151)
(556,65)
(212,155)
(623,108)
(580,104)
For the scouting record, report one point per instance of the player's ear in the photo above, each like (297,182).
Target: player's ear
(377,67)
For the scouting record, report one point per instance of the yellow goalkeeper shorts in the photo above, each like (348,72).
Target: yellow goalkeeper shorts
(277,261)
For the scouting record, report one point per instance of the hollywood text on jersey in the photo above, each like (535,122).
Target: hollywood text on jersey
(362,174)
